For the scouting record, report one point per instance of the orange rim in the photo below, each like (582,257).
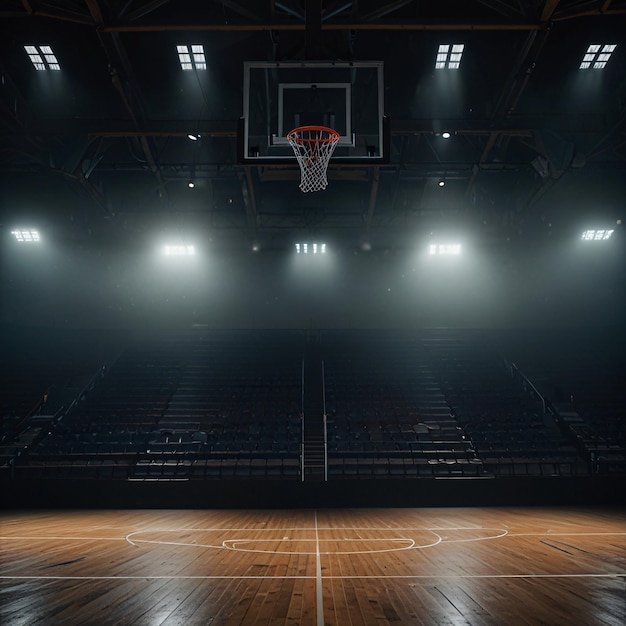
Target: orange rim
(293,134)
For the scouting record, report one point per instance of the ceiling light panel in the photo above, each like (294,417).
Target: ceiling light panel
(310,248)
(449,56)
(179,250)
(191,57)
(42,58)
(597,56)
(451,249)
(597,235)
(26,236)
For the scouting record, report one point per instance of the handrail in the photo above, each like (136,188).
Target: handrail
(529,382)
(37,407)
(86,389)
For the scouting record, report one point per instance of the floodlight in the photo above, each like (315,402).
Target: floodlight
(445,135)
(193,136)
(597,235)
(191,57)
(178,250)
(597,56)
(42,58)
(442,182)
(449,56)
(451,249)
(26,236)
(310,248)
(191,184)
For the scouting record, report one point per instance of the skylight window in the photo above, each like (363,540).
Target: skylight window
(26,236)
(449,56)
(191,57)
(597,56)
(596,235)
(42,58)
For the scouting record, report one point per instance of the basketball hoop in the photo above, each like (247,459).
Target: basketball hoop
(313,147)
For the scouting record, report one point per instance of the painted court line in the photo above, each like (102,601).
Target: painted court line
(239,544)
(59,537)
(318,578)
(235,544)
(321,528)
(350,577)
(551,534)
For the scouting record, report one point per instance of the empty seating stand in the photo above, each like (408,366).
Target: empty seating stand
(506,429)
(228,405)
(387,415)
(37,365)
(190,405)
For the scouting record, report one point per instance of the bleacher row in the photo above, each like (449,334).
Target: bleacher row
(387,416)
(504,424)
(191,406)
(106,467)
(203,405)
(596,390)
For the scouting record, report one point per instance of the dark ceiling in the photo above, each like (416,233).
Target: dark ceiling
(100,149)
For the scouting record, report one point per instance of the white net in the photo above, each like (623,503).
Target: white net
(313,147)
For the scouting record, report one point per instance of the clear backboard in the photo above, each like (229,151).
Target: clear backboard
(347,97)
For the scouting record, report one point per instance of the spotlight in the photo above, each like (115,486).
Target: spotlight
(191,184)
(178,250)
(193,137)
(445,249)
(26,236)
(442,182)
(597,235)
(310,248)
(445,135)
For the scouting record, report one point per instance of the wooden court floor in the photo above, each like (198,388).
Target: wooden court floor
(340,567)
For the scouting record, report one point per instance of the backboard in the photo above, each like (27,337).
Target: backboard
(347,97)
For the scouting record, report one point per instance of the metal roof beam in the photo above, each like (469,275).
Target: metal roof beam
(385,10)
(313,33)
(336,8)
(548,10)
(283,26)
(491,140)
(127,86)
(291,8)
(144,10)
(237,8)
(524,65)
(501,7)
(52,12)
(585,9)
(14,103)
